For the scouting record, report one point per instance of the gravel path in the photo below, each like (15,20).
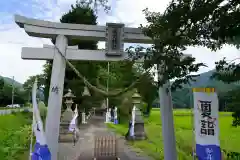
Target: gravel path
(84,148)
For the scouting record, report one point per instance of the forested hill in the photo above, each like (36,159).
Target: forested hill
(20,92)
(9,81)
(181,97)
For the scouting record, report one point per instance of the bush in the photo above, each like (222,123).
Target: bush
(15,142)
(26,110)
(15,133)
(14,112)
(43,110)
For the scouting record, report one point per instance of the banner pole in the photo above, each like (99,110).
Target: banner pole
(192,121)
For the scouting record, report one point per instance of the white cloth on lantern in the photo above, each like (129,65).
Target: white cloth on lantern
(73,123)
(133,121)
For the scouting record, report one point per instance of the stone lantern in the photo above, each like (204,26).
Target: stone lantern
(136,98)
(65,135)
(136,129)
(68,113)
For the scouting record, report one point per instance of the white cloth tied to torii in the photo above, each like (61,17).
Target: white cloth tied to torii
(41,150)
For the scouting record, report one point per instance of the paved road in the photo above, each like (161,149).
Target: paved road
(84,148)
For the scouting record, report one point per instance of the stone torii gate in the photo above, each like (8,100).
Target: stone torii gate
(115,35)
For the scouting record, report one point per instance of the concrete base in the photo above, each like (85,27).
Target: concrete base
(139,132)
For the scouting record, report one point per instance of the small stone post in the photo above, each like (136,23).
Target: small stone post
(84,117)
(108,116)
(115,116)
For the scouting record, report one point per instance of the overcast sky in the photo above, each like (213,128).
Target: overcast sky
(12,38)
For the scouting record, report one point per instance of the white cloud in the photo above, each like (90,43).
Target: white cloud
(12,64)
(130,12)
(12,38)
(204,55)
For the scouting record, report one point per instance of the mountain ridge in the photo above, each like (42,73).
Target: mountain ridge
(10,81)
(182,97)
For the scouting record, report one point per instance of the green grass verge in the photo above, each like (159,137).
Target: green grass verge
(14,136)
(153,146)
(4,108)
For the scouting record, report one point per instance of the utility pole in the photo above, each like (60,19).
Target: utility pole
(12,91)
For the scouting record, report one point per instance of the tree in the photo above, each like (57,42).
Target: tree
(229,73)
(219,25)
(28,84)
(188,23)
(96,4)
(30,81)
(184,23)
(79,14)
(146,86)
(1,83)
(169,43)
(230,101)
(6,95)
(148,91)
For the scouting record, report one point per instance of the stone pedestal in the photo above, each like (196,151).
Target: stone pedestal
(139,131)
(65,135)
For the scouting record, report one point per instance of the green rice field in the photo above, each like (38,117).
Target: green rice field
(153,146)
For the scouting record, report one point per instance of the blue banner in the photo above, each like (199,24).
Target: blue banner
(41,152)
(208,152)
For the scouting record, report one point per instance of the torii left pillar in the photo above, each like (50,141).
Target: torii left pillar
(55,96)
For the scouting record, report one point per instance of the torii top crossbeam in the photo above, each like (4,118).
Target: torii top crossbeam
(47,29)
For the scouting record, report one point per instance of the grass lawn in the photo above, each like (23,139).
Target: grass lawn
(14,136)
(153,146)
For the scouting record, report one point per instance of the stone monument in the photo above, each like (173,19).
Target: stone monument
(65,135)
(136,129)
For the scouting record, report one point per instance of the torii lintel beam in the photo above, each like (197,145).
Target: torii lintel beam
(47,53)
(74,54)
(47,29)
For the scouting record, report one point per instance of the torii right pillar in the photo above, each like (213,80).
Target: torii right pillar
(166,109)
